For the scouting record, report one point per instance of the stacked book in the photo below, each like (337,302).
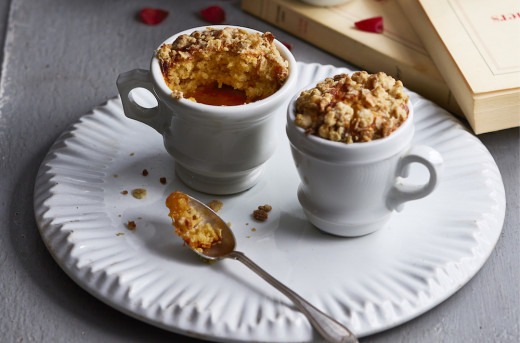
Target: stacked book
(463,55)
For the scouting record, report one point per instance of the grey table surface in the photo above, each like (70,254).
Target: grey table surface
(59,60)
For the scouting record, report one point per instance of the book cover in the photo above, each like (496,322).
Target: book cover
(398,51)
(475,45)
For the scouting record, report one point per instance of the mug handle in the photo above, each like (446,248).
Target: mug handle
(156,117)
(402,192)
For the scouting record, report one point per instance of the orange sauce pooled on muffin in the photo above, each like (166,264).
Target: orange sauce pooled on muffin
(214,95)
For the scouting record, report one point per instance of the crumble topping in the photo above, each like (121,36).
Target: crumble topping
(349,109)
(131,225)
(232,57)
(139,193)
(262,213)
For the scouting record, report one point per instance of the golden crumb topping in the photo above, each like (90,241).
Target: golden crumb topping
(139,193)
(216,205)
(358,108)
(248,62)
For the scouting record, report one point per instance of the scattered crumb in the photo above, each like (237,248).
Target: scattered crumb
(247,224)
(261,213)
(115,175)
(120,234)
(266,208)
(163,180)
(125,192)
(132,154)
(145,172)
(119,215)
(139,193)
(248,236)
(216,205)
(229,224)
(253,229)
(131,225)
(139,218)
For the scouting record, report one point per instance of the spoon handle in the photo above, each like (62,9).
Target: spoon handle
(329,328)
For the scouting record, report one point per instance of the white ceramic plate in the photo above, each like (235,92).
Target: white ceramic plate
(371,283)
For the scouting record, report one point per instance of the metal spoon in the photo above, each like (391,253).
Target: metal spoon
(329,328)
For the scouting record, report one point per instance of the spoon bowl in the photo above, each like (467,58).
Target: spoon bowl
(329,328)
(227,244)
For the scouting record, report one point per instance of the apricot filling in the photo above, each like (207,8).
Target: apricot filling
(189,224)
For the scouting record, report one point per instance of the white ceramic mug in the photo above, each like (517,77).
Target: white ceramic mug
(217,149)
(352,189)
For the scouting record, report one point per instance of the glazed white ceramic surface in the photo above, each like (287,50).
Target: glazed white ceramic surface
(217,149)
(370,283)
(352,189)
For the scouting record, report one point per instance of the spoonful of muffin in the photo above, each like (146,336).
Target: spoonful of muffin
(210,237)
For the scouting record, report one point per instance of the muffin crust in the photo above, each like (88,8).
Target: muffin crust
(349,109)
(248,62)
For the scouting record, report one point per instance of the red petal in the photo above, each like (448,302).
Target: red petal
(287,45)
(153,16)
(214,14)
(370,25)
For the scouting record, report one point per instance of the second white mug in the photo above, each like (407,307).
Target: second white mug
(352,189)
